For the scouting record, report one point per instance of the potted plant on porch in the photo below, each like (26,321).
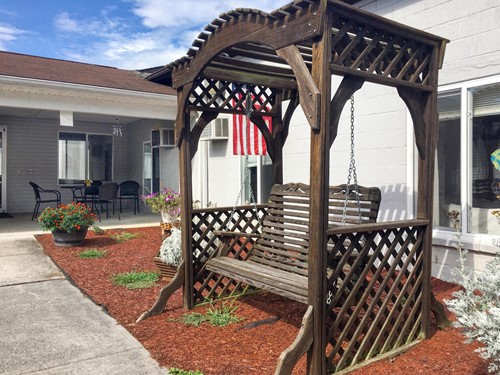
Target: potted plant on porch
(167,202)
(68,223)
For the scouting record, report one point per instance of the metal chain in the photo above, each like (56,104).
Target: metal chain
(352,172)
(246,179)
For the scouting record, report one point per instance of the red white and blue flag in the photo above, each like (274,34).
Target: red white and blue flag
(247,138)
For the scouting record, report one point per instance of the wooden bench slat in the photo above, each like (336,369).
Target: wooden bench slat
(299,268)
(281,282)
(281,250)
(278,259)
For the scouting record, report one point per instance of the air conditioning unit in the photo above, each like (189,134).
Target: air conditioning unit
(216,130)
(162,138)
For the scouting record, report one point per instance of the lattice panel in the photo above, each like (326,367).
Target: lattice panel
(205,221)
(229,96)
(375,298)
(365,48)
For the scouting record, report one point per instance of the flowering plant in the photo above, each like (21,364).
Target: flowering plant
(167,200)
(66,217)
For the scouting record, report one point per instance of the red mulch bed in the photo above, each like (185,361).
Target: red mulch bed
(230,350)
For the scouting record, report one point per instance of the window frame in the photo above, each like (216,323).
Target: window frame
(446,236)
(87,166)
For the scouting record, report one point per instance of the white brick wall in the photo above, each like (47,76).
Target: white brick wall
(473,52)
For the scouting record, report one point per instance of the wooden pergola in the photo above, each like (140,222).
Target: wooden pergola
(288,57)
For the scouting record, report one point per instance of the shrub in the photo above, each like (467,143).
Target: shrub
(123,236)
(221,316)
(92,254)
(477,306)
(178,371)
(66,217)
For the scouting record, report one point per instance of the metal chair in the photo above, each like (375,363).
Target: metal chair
(39,193)
(129,190)
(89,194)
(108,194)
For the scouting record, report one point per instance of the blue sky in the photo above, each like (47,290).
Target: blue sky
(129,34)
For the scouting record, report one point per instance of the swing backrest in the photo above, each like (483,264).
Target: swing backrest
(284,239)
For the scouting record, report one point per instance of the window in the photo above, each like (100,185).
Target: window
(83,156)
(260,178)
(466,178)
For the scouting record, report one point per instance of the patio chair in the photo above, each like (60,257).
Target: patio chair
(44,196)
(129,190)
(89,194)
(108,194)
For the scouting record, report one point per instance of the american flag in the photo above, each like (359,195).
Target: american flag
(247,138)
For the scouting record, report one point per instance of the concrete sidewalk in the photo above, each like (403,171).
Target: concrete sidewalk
(47,326)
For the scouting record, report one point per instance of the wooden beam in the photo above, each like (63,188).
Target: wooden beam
(416,103)
(242,76)
(308,91)
(348,86)
(205,118)
(377,78)
(300,345)
(319,181)
(277,135)
(259,122)
(290,110)
(182,98)
(274,34)
(186,207)
(425,192)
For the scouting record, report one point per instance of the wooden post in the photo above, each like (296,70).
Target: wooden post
(183,123)
(278,142)
(319,181)
(426,189)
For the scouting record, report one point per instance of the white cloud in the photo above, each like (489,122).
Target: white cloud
(186,13)
(170,26)
(8,34)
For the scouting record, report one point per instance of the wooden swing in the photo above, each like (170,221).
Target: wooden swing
(287,57)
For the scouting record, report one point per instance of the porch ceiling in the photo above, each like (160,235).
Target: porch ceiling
(33,113)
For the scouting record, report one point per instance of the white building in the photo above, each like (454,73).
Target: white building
(62,122)
(469,111)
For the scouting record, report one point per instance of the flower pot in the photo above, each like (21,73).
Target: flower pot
(62,238)
(167,271)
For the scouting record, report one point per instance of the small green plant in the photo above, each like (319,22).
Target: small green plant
(136,280)
(97,230)
(178,371)
(220,316)
(92,254)
(223,315)
(123,236)
(191,319)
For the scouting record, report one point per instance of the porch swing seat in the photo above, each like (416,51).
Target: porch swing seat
(278,258)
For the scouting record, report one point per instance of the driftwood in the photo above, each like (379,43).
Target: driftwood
(165,294)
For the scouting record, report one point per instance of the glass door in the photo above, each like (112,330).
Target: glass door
(3,163)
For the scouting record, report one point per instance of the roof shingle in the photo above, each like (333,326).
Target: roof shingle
(35,67)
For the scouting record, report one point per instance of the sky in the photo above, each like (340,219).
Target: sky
(128,34)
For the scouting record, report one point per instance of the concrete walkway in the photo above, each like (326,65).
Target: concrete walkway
(47,326)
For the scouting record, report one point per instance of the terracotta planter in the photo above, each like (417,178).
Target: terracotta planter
(62,238)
